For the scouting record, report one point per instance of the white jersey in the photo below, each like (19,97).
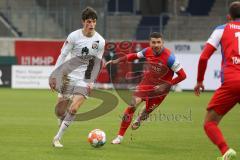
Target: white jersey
(88,51)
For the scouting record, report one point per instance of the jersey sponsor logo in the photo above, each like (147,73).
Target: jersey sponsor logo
(235,60)
(157,70)
(84,51)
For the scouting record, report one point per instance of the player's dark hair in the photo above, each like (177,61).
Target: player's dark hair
(155,35)
(234,10)
(89,13)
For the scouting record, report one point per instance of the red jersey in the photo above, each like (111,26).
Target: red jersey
(159,66)
(228,36)
(158,74)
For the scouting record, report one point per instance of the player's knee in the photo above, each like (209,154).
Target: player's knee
(59,113)
(135,102)
(132,105)
(61,108)
(132,108)
(73,110)
(209,124)
(205,126)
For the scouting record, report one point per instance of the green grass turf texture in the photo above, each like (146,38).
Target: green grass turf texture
(28,124)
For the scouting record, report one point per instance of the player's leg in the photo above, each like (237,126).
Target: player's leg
(214,133)
(61,108)
(77,100)
(211,122)
(127,119)
(222,101)
(151,104)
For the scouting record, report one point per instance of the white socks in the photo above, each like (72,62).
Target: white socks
(65,123)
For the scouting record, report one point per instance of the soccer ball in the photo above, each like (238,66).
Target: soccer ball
(97,138)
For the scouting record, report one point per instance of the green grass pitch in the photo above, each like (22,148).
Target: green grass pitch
(28,124)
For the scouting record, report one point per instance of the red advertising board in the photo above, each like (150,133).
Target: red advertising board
(34,52)
(37,52)
(40,52)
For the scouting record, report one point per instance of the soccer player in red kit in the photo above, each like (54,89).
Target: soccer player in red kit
(225,97)
(155,84)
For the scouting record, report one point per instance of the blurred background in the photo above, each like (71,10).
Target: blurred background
(118,19)
(32,33)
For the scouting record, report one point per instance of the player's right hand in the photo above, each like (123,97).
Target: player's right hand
(116,61)
(162,88)
(107,63)
(52,83)
(197,89)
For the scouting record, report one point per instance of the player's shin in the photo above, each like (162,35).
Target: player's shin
(215,135)
(126,120)
(61,109)
(69,118)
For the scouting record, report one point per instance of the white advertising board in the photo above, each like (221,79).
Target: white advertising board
(35,77)
(212,78)
(188,53)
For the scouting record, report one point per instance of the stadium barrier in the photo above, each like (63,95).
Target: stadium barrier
(36,57)
(36,77)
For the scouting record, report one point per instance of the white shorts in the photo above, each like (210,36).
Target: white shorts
(72,86)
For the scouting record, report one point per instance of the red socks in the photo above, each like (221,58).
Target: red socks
(215,135)
(126,120)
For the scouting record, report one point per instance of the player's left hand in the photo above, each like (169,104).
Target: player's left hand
(197,89)
(162,88)
(89,87)
(115,61)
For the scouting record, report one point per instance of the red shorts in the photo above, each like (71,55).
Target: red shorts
(152,103)
(146,91)
(225,97)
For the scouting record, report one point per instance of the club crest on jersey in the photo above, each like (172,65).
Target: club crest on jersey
(95,45)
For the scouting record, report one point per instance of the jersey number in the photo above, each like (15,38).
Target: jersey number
(88,72)
(237,34)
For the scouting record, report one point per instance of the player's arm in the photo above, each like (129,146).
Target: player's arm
(202,65)
(207,52)
(175,66)
(181,75)
(66,49)
(128,57)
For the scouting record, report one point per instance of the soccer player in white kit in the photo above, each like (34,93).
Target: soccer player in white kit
(73,78)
